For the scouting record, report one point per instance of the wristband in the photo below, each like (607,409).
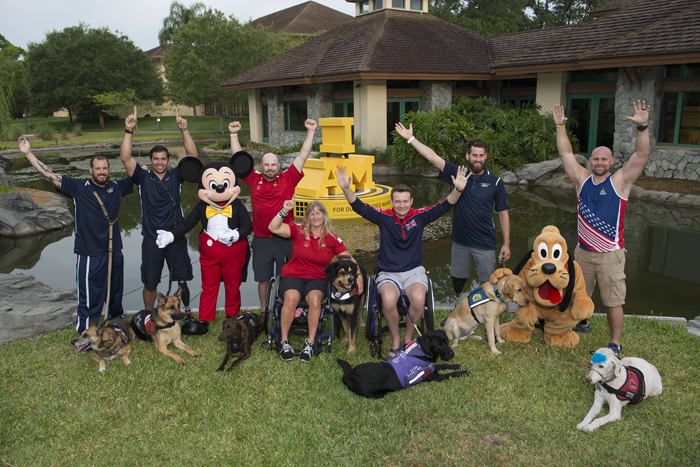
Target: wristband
(410,140)
(182,131)
(561,126)
(642,127)
(282,214)
(458,191)
(233,134)
(126,130)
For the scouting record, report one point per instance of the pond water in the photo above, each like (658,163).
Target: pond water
(663,241)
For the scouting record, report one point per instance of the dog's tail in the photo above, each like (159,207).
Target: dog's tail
(345,366)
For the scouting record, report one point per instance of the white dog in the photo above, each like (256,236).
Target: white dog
(618,383)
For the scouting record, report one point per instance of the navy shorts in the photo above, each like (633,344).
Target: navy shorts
(303,286)
(153,258)
(269,255)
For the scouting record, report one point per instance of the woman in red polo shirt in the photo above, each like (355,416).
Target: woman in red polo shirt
(313,248)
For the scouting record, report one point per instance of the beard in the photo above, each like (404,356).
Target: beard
(476,168)
(96,181)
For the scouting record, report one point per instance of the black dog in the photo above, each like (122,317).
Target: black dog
(345,299)
(411,366)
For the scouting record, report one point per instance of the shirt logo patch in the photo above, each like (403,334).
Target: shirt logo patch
(410,224)
(110,190)
(485,185)
(602,191)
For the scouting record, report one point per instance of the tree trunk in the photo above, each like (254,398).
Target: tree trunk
(221,123)
(102,121)
(194,112)
(70,117)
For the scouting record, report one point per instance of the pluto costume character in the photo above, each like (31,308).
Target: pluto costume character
(555,287)
(223,247)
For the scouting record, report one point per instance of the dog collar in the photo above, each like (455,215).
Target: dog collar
(110,352)
(340,295)
(121,331)
(495,291)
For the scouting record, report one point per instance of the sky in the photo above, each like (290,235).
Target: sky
(140,20)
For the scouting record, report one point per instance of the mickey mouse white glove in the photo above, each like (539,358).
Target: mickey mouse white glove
(164,239)
(231,237)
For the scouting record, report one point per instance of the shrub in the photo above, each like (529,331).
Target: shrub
(221,144)
(4,188)
(64,133)
(78,130)
(45,131)
(513,137)
(12,133)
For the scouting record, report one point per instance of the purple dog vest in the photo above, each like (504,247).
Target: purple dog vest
(408,367)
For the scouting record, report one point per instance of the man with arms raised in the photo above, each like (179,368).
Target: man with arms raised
(602,198)
(268,190)
(473,231)
(160,191)
(400,254)
(92,235)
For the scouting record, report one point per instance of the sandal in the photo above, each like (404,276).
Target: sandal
(395,352)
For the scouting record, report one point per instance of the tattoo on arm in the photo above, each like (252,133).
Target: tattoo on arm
(48,174)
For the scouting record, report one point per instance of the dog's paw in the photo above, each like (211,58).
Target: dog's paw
(101,370)
(495,351)
(220,368)
(478,338)
(180,361)
(197,355)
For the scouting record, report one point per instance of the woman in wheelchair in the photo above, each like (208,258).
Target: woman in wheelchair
(314,245)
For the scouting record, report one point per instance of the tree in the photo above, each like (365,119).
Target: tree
(179,15)
(550,13)
(73,65)
(9,54)
(209,50)
(487,17)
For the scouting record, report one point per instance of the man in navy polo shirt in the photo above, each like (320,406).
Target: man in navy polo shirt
(159,189)
(92,235)
(473,230)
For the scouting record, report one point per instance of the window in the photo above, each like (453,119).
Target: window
(403,84)
(416,5)
(339,86)
(398,4)
(481,84)
(345,108)
(518,102)
(264,115)
(295,115)
(592,120)
(680,118)
(608,75)
(519,83)
(682,71)
(364,7)
(396,109)
(378,4)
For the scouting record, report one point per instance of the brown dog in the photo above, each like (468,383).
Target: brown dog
(107,342)
(239,332)
(345,299)
(488,303)
(165,328)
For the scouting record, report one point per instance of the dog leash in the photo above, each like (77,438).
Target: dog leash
(403,301)
(109,257)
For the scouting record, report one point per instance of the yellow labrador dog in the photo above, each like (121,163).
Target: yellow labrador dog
(485,305)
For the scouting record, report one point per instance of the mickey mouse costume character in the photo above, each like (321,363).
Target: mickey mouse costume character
(223,247)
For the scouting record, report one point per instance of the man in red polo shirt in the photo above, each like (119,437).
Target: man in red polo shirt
(268,190)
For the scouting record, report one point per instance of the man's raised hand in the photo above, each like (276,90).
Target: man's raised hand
(180,122)
(558,114)
(130,121)
(343,180)
(641,112)
(405,133)
(234,127)
(461,181)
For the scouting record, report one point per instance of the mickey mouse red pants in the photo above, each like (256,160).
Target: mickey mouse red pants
(220,263)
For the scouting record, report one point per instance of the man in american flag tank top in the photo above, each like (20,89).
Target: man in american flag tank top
(602,198)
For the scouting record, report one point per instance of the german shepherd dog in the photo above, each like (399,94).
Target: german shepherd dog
(239,333)
(345,299)
(162,327)
(107,342)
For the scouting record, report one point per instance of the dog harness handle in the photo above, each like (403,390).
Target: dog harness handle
(109,256)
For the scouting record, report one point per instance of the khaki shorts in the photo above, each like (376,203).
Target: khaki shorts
(404,279)
(608,269)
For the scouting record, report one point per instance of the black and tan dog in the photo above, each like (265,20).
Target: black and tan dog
(345,299)
(414,364)
(485,305)
(107,342)
(161,326)
(239,333)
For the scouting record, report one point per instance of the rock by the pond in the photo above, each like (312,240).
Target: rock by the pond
(28,307)
(20,216)
(5,179)
(694,326)
(6,162)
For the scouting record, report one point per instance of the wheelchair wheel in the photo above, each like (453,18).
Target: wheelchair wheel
(369,313)
(429,313)
(272,294)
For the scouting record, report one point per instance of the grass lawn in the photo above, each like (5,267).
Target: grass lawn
(520,408)
(201,128)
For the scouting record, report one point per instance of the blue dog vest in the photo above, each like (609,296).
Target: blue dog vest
(409,368)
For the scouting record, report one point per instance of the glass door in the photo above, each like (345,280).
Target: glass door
(263,117)
(396,108)
(592,120)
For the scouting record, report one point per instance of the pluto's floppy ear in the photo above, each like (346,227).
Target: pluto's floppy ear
(189,168)
(242,164)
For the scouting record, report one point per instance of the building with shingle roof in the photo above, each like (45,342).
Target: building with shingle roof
(394,57)
(305,19)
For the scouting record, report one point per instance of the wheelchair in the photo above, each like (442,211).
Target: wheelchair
(272,313)
(373,323)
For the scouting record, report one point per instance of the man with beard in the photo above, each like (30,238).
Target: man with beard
(602,198)
(473,230)
(92,228)
(268,191)
(160,191)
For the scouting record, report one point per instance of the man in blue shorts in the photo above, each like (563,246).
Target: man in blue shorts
(400,253)
(473,230)
(92,235)
(160,191)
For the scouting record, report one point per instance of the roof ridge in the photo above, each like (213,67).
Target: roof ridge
(372,43)
(319,57)
(296,17)
(565,29)
(639,31)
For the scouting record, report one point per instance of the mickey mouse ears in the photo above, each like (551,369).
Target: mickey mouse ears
(242,163)
(190,167)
